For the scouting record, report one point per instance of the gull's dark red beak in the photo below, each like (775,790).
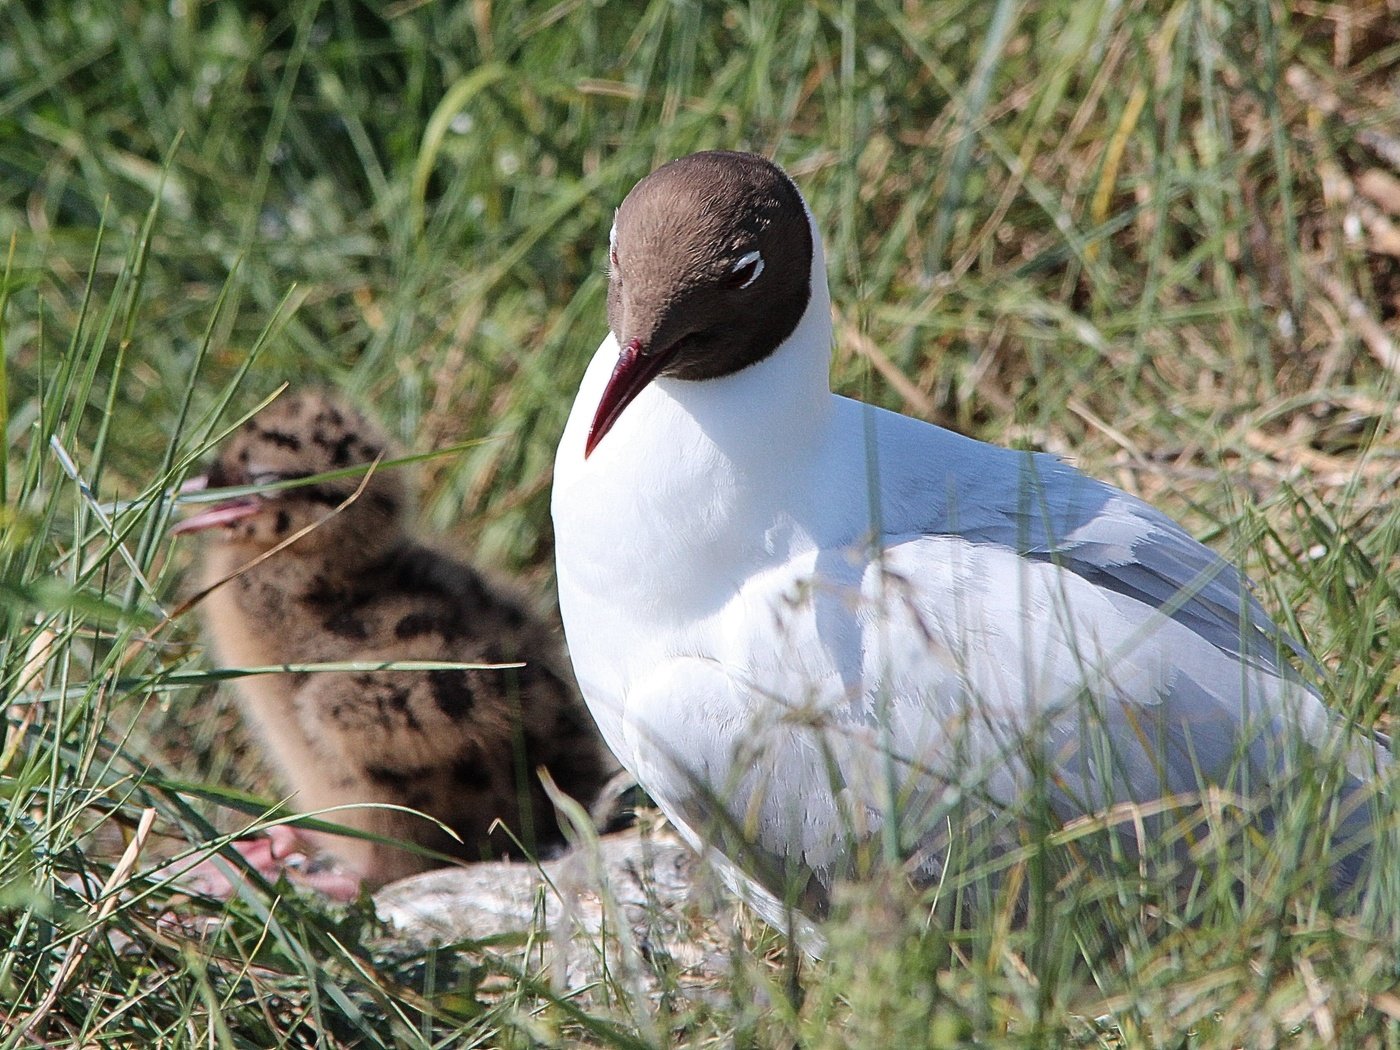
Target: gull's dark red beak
(634,370)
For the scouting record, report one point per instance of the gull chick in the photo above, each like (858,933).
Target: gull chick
(462,746)
(818,632)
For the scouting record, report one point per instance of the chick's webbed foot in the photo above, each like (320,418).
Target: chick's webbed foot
(283,851)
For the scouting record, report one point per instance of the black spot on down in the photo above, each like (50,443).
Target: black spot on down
(452,692)
(470,772)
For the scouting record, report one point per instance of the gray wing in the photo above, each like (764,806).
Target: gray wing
(1140,557)
(1123,545)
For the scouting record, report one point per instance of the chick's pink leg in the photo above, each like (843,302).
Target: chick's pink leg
(282,851)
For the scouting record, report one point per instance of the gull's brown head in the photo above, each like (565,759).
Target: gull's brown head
(709,265)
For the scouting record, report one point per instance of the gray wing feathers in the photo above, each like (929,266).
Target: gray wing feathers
(1120,543)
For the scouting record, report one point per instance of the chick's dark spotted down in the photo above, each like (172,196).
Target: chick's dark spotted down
(462,746)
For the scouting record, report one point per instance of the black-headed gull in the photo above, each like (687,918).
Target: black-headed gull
(812,629)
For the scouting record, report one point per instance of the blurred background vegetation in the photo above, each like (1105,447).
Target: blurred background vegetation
(1162,238)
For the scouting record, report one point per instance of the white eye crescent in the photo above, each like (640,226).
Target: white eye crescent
(746,269)
(612,249)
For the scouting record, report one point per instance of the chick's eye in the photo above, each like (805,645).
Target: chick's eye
(612,260)
(745,270)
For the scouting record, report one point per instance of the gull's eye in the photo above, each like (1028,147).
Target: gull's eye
(746,270)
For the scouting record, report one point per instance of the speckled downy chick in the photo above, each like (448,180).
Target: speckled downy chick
(463,746)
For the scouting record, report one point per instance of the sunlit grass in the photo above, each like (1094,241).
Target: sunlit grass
(1133,235)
